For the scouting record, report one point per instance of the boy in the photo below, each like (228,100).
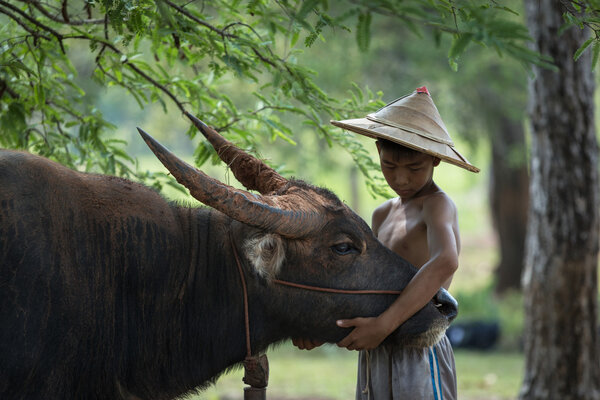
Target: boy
(420,225)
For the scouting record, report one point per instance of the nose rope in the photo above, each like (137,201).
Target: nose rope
(331,290)
(256,368)
(245,294)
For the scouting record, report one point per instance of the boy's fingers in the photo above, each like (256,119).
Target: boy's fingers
(346,323)
(299,343)
(347,341)
(311,344)
(306,344)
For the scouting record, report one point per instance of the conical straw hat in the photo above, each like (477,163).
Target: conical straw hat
(412,121)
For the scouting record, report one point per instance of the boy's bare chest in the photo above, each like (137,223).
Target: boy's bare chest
(405,232)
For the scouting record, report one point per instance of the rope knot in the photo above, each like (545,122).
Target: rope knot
(256,371)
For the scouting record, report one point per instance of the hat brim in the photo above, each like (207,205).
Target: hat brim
(366,127)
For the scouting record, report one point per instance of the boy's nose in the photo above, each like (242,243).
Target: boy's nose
(401,180)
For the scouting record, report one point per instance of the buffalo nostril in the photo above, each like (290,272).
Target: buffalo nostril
(446,304)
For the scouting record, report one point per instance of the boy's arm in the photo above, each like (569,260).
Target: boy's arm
(439,216)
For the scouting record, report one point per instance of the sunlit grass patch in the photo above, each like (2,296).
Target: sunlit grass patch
(329,373)
(489,375)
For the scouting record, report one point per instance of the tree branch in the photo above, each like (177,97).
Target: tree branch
(66,19)
(23,24)
(581,15)
(133,67)
(222,32)
(199,21)
(105,43)
(157,85)
(67,110)
(64,12)
(5,88)
(255,112)
(31,19)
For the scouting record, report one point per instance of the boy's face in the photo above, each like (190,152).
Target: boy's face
(407,174)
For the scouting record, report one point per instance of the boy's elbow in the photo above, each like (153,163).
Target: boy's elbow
(452,267)
(449,263)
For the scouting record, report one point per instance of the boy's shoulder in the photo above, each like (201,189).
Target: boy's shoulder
(438,197)
(381,213)
(385,207)
(438,200)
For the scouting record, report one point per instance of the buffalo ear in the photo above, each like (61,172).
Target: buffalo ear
(266,253)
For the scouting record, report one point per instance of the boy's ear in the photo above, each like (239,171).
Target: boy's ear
(436,161)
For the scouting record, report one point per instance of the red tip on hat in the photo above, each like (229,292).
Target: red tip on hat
(422,89)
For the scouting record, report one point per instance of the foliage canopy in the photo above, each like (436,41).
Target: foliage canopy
(191,53)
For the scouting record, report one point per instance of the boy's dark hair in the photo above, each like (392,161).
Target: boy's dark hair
(399,150)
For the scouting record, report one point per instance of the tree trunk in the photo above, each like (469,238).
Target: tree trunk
(509,199)
(560,278)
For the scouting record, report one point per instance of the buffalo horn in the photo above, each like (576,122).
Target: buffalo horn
(262,212)
(247,169)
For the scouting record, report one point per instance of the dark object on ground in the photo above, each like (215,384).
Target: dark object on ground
(477,335)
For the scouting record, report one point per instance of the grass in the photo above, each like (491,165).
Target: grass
(489,375)
(329,373)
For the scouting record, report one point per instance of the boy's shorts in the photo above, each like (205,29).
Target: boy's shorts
(397,373)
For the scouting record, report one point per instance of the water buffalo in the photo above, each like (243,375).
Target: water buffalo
(107,291)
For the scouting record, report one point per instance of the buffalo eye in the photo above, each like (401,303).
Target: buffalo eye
(344,248)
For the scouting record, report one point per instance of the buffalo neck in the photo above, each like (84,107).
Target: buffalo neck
(213,316)
(205,333)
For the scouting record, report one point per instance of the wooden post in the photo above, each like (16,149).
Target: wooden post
(256,374)
(253,393)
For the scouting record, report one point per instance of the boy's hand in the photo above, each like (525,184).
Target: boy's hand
(306,344)
(367,334)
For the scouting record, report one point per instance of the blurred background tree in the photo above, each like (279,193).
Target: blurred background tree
(560,280)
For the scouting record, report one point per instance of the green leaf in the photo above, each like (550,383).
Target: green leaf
(595,53)
(582,48)
(307,6)
(16,66)
(363,35)
(459,44)
(294,39)
(40,95)
(453,64)
(507,9)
